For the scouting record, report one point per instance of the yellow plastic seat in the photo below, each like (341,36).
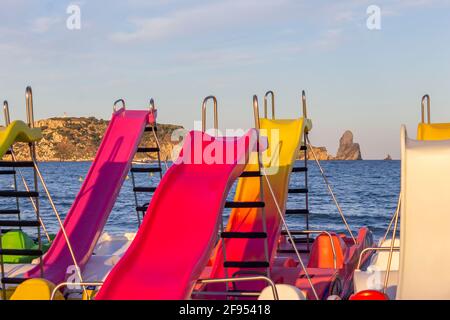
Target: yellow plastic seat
(36,289)
(17,131)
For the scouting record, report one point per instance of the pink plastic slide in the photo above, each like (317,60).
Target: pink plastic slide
(180,229)
(95,200)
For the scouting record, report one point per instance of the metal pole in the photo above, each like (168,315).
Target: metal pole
(29,104)
(121,101)
(331,191)
(305,114)
(426,97)
(394,232)
(2,265)
(299,257)
(6,113)
(216,120)
(273,104)
(261,181)
(392,221)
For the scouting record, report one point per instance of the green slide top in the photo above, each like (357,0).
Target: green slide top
(17,239)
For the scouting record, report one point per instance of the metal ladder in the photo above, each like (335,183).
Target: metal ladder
(11,167)
(305,239)
(141,209)
(262,235)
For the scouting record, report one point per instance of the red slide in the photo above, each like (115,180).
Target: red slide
(90,211)
(180,229)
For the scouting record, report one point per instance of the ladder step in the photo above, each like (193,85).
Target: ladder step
(19,194)
(144,189)
(21,252)
(244,235)
(21,223)
(297,211)
(16,164)
(147,150)
(142,209)
(7,172)
(246,293)
(244,204)
(246,264)
(146,170)
(307,237)
(303,148)
(13,280)
(300,169)
(150,129)
(251,174)
(293,251)
(12,211)
(298,190)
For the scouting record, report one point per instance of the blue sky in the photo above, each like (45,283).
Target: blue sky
(179,51)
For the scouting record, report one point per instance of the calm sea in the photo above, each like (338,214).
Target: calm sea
(366,190)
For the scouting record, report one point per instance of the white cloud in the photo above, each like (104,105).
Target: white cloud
(44,24)
(199,19)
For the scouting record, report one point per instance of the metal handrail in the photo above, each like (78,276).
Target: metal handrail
(6,113)
(216,120)
(65,284)
(260,166)
(152,105)
(427,98)
(256,111)
(243,279)
(29,105)
(273,103)
(373,249)
(122,101)
(305,114)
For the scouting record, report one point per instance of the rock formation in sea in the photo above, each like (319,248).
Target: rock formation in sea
(348,150)
(77,139)
(320,152)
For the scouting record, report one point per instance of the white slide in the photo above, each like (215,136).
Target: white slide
(424,270)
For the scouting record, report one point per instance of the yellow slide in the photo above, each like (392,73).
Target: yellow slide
(285,138)
(433,131)
(17,131)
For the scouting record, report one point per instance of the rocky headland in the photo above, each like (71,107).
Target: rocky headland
(77,139)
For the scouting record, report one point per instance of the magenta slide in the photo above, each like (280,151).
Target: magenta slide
(95,200)
(180,229)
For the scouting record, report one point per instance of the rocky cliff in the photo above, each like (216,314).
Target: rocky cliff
(77,139)
(348,150)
